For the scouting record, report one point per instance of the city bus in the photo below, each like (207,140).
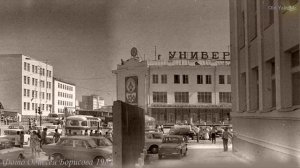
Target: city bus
(77,124)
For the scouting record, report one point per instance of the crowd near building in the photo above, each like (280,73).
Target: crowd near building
(265,79)
(27,86)
(177,91)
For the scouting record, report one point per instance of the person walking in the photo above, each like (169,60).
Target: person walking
(34,144)
(225,136)
(21,139)
(43,137)
(213,135)
(86,133)
(17,139)
(56,136)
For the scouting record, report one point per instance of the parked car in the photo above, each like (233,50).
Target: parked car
(172,145)
(78,148)
(8,151)
(152,141)
(10,134)
(184,130)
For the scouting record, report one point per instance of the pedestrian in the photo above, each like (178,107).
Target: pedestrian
(21,139)
(40,137)
(225,136)
(91,133)
(56,136)
(162,128)
(213,135)
(35,144)
(86,132)
(43,137)
(96,133)
(17,139)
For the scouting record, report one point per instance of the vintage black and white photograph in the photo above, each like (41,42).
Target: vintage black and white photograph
(149,83)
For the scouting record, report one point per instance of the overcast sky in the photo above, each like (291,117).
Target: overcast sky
(84,40)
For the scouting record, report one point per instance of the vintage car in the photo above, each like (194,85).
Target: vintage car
(8,151)
(78,148)
(152,141)
(187,131)
(172,145)
(102,141)
(10,134)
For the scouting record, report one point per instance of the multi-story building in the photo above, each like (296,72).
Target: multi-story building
(25,85)
(265,68)
(63,96)
(91,102)
(177,91)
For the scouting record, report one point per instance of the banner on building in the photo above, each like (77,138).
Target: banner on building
(131,90)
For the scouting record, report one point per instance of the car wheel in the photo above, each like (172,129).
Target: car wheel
(99,160)
(154,150)
(159,156)
(57,157)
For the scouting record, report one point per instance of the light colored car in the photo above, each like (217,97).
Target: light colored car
(172,145)
(152,141)
(8,151)
(79,148)
(102,141)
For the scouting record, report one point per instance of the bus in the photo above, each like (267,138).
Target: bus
(77,124)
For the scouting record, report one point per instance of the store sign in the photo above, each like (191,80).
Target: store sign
(131,90)
(218,56)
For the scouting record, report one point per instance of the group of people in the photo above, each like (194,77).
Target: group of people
(209,133)
(8,119)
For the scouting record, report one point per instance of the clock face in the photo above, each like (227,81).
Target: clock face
(134,52)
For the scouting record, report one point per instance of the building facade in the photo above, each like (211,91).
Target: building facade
(265,70)
(64,96)
(26,84)
(91,102)
(177,91)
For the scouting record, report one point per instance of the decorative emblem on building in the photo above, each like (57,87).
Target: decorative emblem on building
(131,89)
(133,52)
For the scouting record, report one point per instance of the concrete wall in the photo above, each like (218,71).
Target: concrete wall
(129,134)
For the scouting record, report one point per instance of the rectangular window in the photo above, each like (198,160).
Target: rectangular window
(228,79)
(204,97)
(252,19)
(181,97)
(28,106)
(208,79)
(225,97)
(32,94)
(32,68)
(185,79)
(177,79)
(28,80)
(160,97)
(28,67)
(25,92)
(25,66)
(25,104)
(154,78)
(199,79)
(28,93)
(295,66)
(25,79)
(164,79)
(221,79)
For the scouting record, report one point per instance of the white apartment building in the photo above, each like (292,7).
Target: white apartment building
(92,102)
(64,96)
(25,85)
(177,91)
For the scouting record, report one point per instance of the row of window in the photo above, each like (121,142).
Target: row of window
(36,68)
(185,79)
(35,82)
(34,106)
(65,103)
(65,95)
(183,97)
(66,87)
(35,93)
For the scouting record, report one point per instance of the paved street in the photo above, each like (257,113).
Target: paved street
(202,154)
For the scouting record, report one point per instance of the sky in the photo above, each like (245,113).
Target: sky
(84,40)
